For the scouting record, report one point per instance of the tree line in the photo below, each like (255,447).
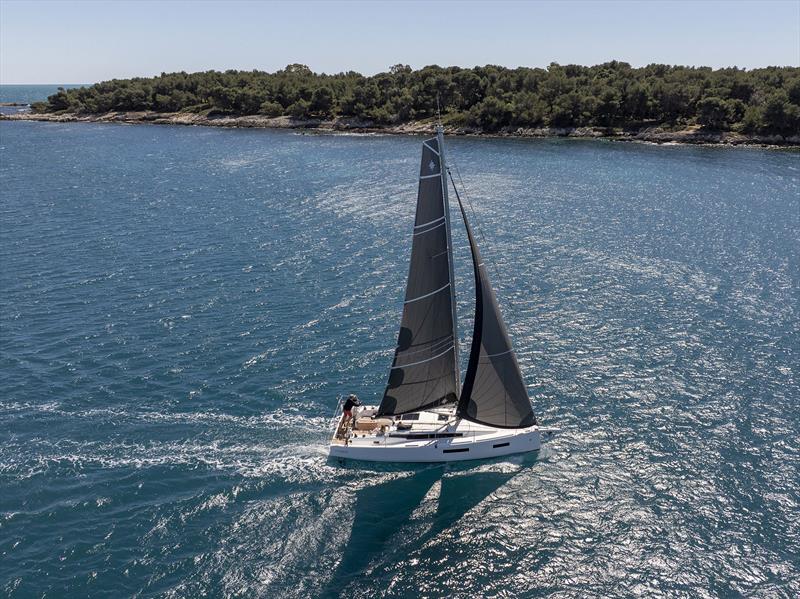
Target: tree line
(490,98)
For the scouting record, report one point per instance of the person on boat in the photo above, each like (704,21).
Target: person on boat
(351,402)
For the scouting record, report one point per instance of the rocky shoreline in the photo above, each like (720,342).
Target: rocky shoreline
(655,134)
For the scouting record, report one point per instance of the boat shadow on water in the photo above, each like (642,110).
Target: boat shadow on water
(384,511)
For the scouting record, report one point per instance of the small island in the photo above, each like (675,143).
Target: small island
(656,103)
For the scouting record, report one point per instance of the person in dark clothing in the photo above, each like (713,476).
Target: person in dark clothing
(351,402)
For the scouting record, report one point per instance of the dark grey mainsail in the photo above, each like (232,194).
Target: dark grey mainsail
(494,392)
(425,372)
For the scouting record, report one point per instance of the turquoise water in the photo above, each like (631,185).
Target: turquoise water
(180,308)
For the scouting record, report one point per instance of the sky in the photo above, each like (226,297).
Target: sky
(86,42)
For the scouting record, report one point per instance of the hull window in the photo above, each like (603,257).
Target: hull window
(426,435)
(498,445)
(455,450)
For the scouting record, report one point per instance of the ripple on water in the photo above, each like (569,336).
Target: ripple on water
(181,307)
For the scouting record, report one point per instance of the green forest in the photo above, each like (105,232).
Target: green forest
(489,98)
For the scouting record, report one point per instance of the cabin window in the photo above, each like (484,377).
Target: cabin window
(443,417)
(409,417)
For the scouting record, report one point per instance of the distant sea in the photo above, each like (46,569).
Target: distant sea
(181,306)
(27,94)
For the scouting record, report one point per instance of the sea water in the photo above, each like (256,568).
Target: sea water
(22,95)
(181,308)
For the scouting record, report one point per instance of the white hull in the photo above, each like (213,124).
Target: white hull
(454,441)
(435,451)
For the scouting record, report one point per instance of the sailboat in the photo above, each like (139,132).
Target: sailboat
(426,414)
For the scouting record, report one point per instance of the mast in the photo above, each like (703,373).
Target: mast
(440,139)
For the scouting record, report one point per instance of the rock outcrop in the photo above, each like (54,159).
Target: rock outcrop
(660,135)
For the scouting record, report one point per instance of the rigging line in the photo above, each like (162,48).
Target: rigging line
(475,221)
(469,202)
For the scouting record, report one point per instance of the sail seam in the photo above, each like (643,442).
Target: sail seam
(416,299)
(423,361)
(430,222)
(432,346)
(502,353)
(429,230)
(430,176)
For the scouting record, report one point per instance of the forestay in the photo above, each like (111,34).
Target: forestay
(424,372)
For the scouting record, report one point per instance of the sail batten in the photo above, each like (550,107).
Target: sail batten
(424,372)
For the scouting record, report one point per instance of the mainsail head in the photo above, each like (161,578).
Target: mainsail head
(425,371)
